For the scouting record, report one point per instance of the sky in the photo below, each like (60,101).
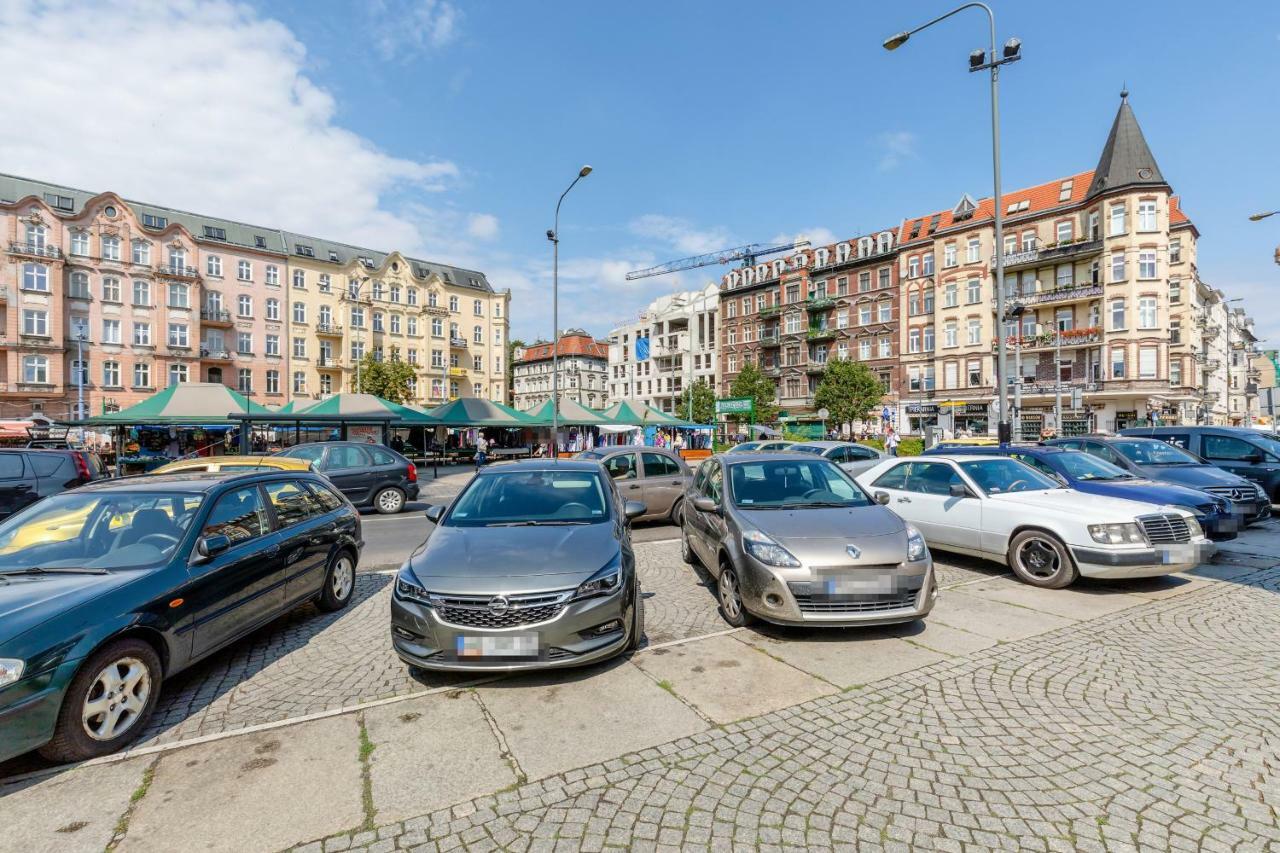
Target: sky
(448,129)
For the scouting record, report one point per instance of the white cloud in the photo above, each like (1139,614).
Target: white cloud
(482,226)
(681,234)
(895,147)
(226,121)
(403,28)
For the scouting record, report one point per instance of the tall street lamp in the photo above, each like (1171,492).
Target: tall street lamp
(554,236)
(1257,217)
(353,294)
(981,61)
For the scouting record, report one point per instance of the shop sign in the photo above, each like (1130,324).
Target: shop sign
(735,405)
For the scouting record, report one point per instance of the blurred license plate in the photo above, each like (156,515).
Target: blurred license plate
(858,583)
(513,646)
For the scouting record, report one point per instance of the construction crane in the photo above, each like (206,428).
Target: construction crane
(747,254)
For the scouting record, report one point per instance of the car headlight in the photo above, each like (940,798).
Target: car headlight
(407,589)
(767,551)
(1262,493)
(1128,533)
(1193,524)
(10,670)
(916,549)
(604,582)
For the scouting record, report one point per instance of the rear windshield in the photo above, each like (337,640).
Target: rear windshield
(520,498)
(1150,451)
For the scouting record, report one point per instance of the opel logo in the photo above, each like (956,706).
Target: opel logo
(499,605)
(852,550)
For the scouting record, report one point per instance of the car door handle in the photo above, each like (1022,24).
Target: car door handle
(676,483)
(633,486)
(904,500)
(272,551)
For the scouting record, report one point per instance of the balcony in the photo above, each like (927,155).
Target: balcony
(460,372)
(769,339)
(42,342)
(178,271)
(215,354)
(330,330)
(774,370)
(1211,330)
(820,334)
(1041,388)
(4,294)
(770,311)
(179,351)
(1254,374)
(1058,295)
(1051,253)
(35,250)
(215,317)
(1049,340)
(458,343)
(1211,364)
(815,367)
(328,362)
(819,303)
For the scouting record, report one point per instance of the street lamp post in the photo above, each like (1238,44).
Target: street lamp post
(554,236)
(980,61)
(354,295)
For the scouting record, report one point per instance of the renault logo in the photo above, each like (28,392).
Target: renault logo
(499,605)
(852,550)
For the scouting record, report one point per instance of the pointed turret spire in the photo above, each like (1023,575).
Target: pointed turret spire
(1126,159)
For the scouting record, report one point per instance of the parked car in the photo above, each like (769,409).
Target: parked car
(853,458)
(26,476)
(999,509)
(1086,473)
(530,567)
(773,446)
(236,463)
(1166,463)
(158,573)
(369,475)
(654,476)
(1247,453)
(794,540)
(744,447)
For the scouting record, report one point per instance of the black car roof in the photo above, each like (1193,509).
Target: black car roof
(543,465)
(187,481)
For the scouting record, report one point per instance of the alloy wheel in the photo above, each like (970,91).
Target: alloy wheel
(1039,559)
(116,699)
(343,578)
(390,501)
(730,598)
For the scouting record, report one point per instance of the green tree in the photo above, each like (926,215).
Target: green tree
(704,404)
(751,382)
(512,345)
(849,391)
(386,379)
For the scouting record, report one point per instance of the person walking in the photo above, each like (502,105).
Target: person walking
(482,450)
(891,442)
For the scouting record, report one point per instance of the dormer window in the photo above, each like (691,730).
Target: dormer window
(305,251)
(964,208)
(1064,192)
(150,220)
(259,241)
(333,256)
(215,233)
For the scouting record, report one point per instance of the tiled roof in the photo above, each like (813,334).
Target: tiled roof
(568,345)
(1040,198)
(1176,216)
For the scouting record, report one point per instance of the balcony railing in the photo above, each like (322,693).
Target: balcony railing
(458,342)
(215,315)
(176,271)
(215,354)
(815,367)
(1211,330)
(458,371)
(1049,340)
(1053,387)
(819,303)
(820,334)
(1211,364)
(327,361)
(35,250)
(769,339)
(332,329)
(1066,293)
(1050,253)
(770,311)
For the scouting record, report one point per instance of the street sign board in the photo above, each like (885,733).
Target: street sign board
(824,413)
(735,405)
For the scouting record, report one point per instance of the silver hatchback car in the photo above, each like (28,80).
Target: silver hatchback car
(792,539)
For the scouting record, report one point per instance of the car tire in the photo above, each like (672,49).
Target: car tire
(124,679)
(676,516)
(729,595)
(637,622)
(389,501)
(1040,559)
(686,549)
(339,582)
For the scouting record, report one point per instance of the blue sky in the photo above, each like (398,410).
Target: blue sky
(450,128)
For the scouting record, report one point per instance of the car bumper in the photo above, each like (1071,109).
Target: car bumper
(29,710)
(423,639)
(796,597)
(411,491)
(1142,562)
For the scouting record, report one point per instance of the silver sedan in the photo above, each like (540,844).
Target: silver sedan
(794,540)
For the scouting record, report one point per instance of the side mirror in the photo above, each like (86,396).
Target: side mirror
(1254,458)
(210,546)
(634,509)
(882,498)
(705,504)
(434,512)
(958,490)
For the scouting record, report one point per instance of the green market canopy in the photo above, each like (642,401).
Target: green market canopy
(341,406)
(474,411)
(636,413)
(185,404)
(572,413)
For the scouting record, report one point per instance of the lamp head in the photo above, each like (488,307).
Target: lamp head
(551,235)
(1012,48)
(584,171)
(896,41)
(976,59)
(1258,217)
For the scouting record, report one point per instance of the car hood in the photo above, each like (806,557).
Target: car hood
(27,601)
(492,560)
(794,525)
(1194,475)
(1089,508)
(1145,490)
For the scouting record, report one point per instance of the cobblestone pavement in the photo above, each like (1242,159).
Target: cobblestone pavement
(1153,728)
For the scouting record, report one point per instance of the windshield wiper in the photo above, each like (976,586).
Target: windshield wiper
(823,504)
(532,523)
(54,570)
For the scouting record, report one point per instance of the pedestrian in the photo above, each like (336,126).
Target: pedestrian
(482,450)
(891,442)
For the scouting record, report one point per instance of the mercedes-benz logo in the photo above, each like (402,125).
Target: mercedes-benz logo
(499,605)
(853,551)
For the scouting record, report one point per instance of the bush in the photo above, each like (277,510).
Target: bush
(906,446)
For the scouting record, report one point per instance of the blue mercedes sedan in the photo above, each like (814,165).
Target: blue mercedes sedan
(1091,475)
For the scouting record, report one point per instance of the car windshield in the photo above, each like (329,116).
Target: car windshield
(98,530)
(531,498)
(1083,466)
(1151,451)
(745,446)
(591,454)
(807,448)
(1002,476)
(793,483)
(1266,443)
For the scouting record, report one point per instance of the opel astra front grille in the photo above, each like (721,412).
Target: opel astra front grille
(499,611)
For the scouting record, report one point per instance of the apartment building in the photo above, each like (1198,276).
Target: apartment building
(671,344)
(582,364)
(115,298)
(791,315)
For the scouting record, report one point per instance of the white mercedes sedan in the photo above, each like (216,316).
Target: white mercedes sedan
(999,509)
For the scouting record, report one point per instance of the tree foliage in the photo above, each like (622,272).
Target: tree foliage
(751,382)
(512,345)
(849,391)
(704,404)
(386,379)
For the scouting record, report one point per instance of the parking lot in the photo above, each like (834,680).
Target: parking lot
(1105,715)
